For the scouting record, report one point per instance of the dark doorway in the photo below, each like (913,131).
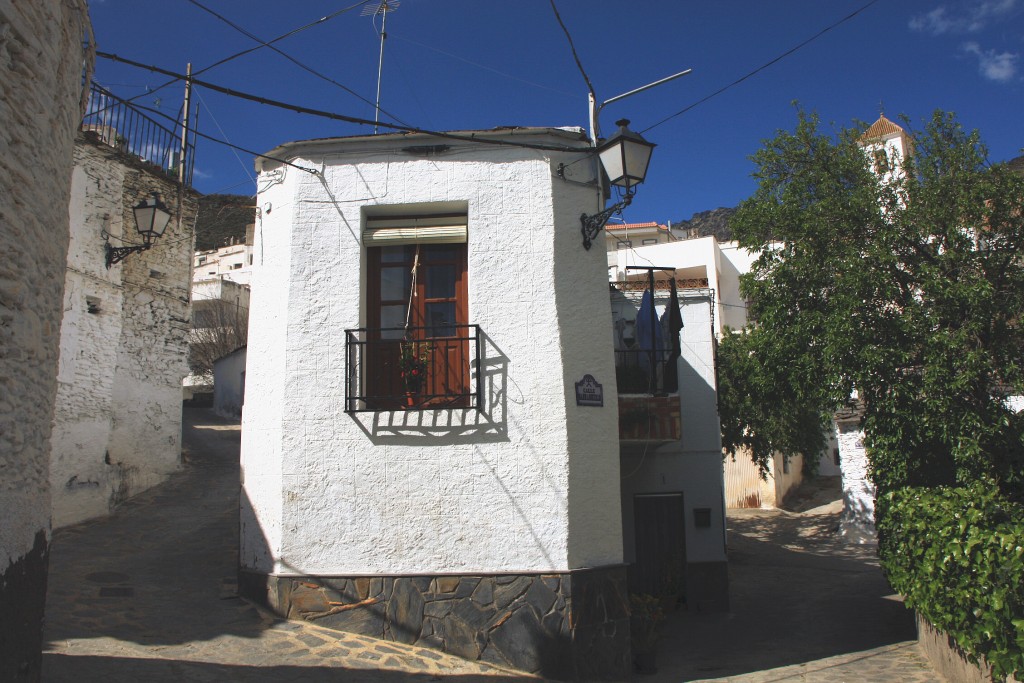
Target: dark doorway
(660,527)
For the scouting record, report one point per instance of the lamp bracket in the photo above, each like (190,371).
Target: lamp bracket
(591,225)
(118,254)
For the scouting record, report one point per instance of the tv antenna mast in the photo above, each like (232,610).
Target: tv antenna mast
(382,8)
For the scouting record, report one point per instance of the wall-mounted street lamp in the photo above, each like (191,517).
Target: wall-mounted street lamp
(624,157)
(151,219)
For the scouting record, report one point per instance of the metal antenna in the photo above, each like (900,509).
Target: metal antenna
(382,8)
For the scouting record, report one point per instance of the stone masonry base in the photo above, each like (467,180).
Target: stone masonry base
(567,626)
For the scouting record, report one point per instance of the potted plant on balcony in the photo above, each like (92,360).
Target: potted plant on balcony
(412,365)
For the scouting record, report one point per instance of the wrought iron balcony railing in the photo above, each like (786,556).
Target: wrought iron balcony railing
(641,372)
(416,368)
(123,126)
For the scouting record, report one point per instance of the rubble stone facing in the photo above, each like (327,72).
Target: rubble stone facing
(566,626)
(124,344)
(41,62)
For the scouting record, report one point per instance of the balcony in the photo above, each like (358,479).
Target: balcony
(646,411)
(416,368)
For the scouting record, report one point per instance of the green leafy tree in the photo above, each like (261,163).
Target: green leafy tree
(907,287)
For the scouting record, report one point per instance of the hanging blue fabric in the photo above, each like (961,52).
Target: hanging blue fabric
(648,328)
(672,323)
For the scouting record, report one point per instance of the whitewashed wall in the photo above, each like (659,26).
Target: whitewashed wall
(857,523)
(40,89)
(228,384)
(692,466)
(117,423)
(529,485)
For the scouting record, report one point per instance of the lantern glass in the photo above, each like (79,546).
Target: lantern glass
(151,217)
(625,157)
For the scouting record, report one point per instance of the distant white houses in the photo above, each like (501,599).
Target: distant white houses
(232,262)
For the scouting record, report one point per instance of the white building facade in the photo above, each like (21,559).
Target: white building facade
(479,512)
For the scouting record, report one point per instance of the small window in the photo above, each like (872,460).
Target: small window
(202,260)
(785,464)
(250,259)
(236,266)
(650,241)
(92,305)
(625,244)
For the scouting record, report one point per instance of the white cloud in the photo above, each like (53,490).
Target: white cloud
(995,66)
(969,17)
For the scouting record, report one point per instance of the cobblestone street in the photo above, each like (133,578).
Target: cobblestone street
(148,594)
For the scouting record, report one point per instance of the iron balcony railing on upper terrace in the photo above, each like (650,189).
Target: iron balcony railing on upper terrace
(124,127)
(415,368)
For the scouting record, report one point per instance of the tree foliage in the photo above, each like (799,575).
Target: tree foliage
(907,287)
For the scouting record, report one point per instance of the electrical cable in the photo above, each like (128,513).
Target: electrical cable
(225,136)
(291,59)
(341,117)
(762,67)
(480,66)
(579,65)
(139,107)
(254,49)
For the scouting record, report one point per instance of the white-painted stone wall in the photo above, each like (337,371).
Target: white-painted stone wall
(857,523)
(530,483)
(229,384)
(41,68)
(117,423)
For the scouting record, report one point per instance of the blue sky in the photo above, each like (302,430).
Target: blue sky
(461,64)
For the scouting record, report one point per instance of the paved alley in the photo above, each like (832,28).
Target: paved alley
(148,594)
(805,607)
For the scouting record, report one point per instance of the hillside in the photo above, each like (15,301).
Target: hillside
(704,223)
(222,219)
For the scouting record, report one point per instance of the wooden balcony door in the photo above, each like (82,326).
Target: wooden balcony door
(417,301)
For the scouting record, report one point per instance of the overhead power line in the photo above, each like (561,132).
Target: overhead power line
(579,64)
(262,45)
(342,117)
(763,66)
(291,59)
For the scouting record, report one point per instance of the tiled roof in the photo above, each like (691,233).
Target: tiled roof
(882,128)
(634,226)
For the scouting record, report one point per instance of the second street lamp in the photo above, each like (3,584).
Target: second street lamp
(624,157)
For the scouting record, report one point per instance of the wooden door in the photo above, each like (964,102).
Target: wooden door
(660,533)
(418,348)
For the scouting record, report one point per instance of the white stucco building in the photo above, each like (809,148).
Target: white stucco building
(709,271)
(416,462)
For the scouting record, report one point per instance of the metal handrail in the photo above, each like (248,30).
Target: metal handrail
(122,126)
(380,363)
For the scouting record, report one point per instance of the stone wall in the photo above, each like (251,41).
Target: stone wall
(41,60)
(566,626)
(123,340)
(857,523)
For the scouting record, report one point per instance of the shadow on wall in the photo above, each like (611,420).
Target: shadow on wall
(451,426)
